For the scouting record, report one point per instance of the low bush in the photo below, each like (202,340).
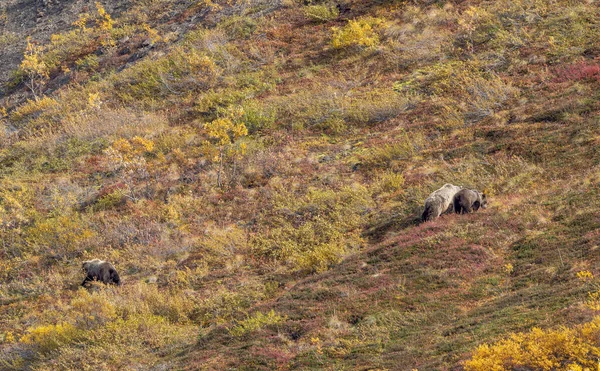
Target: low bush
(87,63)
(225,145)
(47,338)
(321,12)
(389,182)
(183,69)
(358,33)
(257,116)
(32,109)
(573,349)
(239,26)
(582,71)
(568,32)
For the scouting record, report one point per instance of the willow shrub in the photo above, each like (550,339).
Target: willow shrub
(575,349)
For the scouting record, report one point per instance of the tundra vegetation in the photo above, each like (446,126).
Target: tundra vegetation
(255,170)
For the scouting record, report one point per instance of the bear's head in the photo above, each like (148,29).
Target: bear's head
(481,200)
(89,264)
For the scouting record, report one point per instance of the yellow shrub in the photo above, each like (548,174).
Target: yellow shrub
(564,349)
(152,33)
(585,275)
(32,108)
(16,203)
(50,337)
(128,158)
(225,132)
(64,235)
(359,32)
(141,145)
(34,67)
(390,181)
(104,20)
(77,43)
(226,143)
(8,337)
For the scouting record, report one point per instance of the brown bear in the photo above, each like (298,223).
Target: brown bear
(439,202)
(469,200)
(100,270)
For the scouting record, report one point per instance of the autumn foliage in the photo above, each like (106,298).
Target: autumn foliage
(255,171)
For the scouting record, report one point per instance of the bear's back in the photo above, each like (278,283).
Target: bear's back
(447,192)
(467,195)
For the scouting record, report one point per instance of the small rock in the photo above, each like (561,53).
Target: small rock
(537,59)
(152,280)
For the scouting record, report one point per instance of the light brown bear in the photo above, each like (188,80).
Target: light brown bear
(100,270)
(440,202)
(469,200)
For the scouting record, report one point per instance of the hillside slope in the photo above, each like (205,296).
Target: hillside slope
(256,171)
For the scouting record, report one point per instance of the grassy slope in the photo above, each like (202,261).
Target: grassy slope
(327,129)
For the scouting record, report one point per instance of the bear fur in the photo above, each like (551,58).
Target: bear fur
(100,270)
(439,202)
(469,200)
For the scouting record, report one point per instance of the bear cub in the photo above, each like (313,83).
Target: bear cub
(469,200)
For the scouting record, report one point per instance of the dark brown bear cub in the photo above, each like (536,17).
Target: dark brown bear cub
(468,200)
(100,270)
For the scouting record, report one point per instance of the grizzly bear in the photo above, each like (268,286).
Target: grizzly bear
(469,200)
(439,202)
(100,270)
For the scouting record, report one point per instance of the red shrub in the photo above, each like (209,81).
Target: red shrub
(578,72)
